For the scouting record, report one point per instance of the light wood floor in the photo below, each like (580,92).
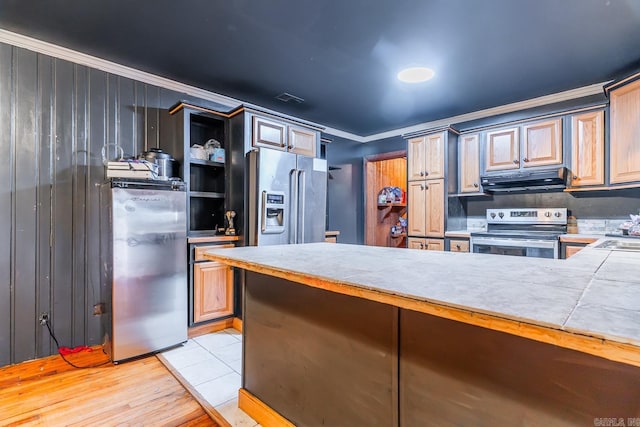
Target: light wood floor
(50,392)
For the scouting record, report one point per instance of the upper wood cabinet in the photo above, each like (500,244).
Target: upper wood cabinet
(426,202)
(282,136)
(469,148)
(587,149)
(267,133)
(541,146)
(625,134)
(302,141)
(425,157)
(542,143)
(503,149)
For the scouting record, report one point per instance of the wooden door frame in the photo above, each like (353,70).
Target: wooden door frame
(368,204)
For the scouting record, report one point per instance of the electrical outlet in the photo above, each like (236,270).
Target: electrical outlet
(98,309)
(43,318)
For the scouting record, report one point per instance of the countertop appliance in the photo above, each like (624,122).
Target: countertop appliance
(166,164)
(287,198)
(143,232)
(522,232)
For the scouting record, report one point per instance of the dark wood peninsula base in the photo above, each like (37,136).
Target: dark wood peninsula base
(448,340)
(322,358)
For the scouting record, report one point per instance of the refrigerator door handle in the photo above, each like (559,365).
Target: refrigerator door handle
(303,196)
(293,205)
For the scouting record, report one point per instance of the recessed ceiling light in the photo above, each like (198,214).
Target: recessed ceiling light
(415,74)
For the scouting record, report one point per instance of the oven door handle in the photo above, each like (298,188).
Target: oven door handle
(520,243)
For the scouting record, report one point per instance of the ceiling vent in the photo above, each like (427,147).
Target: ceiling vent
(287,97)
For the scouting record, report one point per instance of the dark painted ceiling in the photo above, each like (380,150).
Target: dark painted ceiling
(342,56)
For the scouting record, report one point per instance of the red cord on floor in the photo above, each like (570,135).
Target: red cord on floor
(78,349)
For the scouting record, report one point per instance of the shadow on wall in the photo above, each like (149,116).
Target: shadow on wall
(342,203)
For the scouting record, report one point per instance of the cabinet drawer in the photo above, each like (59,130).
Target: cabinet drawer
(200,250)
(459,246)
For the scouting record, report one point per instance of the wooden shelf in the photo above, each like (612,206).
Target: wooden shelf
(206,194)
(386,205)
(206,163)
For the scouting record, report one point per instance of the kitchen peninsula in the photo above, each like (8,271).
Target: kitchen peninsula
(359,335)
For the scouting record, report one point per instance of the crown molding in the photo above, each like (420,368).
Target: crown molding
(60,52)
(494,111)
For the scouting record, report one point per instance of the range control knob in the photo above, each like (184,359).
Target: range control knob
(493,214)
(501,214)
(557,214)
(547,214)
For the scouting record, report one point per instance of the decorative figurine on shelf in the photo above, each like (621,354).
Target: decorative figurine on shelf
(230,231)
(390,195)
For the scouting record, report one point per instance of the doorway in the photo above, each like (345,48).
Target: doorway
(380,171)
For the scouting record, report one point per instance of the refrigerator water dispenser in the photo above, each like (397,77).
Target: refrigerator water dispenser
(273,208)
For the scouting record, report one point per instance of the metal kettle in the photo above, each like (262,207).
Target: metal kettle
(166,163)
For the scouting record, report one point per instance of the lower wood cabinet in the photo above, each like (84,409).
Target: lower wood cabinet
(212,286)
(212,291)
(425,244)
(570,250)
(458,245)
(571,245)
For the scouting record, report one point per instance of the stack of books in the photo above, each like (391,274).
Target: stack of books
(137,169)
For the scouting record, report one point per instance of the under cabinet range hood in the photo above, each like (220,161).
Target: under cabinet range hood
(530,181)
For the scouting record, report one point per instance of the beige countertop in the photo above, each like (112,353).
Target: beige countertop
(212,239)
(590,302)
(464,234)
(580,238)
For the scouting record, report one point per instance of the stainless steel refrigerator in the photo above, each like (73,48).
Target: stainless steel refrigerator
(287,198)
(144,262)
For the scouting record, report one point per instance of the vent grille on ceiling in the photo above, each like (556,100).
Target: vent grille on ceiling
(287,97)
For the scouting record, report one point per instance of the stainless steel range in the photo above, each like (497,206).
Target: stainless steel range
(522,232)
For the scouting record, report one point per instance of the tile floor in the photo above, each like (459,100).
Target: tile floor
(212,364)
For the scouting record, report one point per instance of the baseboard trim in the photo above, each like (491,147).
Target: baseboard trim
(208,328)
(260,411)
(237,324)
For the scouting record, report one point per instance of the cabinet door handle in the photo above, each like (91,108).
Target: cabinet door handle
(526,159)
(475,184)
(458,247)
(516,161)
(575,176)
(421,245)
(421,187)
(426,187)
(426,173)
(421,173)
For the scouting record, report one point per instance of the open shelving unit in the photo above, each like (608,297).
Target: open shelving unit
(388,214)
(206,180)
